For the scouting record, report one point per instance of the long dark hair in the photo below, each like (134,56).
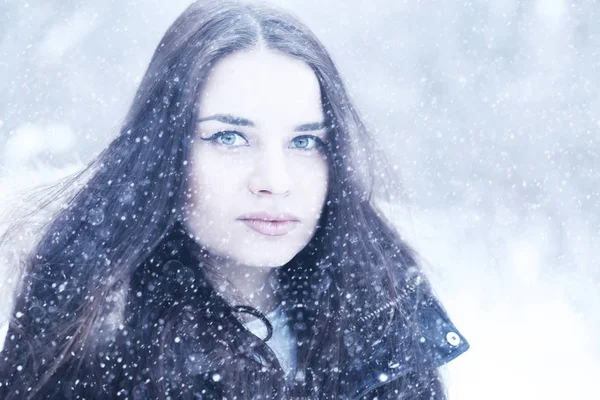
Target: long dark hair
(114,300)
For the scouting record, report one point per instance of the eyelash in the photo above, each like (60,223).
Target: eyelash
(319,144)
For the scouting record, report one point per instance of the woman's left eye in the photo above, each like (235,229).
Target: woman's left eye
(308,142)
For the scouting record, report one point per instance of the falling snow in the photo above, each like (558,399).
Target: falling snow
(487,109)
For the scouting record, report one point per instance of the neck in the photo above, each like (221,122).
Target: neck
(244,285)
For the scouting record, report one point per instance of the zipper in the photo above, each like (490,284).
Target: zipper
(374,386)
(368,316)
(378,310)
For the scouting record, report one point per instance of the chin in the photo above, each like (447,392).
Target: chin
(272,263)
(270,254)
(259,258)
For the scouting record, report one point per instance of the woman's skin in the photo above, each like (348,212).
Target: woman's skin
(272,167)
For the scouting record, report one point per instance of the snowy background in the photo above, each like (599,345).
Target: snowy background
(489,108)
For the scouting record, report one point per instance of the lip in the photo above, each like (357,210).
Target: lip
(268,216)
(270,223)
(271,228)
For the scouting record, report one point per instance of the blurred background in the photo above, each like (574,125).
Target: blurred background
(489,109)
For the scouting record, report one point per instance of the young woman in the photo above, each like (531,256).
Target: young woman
(227,243)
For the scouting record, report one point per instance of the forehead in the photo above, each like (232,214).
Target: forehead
(264,86)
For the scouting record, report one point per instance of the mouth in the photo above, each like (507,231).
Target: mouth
(271,228)
(270,223)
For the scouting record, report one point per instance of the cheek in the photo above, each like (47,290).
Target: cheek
(311,181)
(213,182)
(220,179)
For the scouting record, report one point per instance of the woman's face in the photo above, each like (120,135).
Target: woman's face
(258,149)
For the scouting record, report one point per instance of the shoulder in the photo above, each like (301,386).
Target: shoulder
(438,337)
(422,340)
(441,340)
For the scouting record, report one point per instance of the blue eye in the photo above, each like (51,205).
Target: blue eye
(309,142)
(227,138)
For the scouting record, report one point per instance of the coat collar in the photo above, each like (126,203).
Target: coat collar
(441,342)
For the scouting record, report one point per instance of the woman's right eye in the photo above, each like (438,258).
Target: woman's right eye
(228,138)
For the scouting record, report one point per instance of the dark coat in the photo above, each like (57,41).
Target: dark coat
(372,372)
(371,375)
(441,343)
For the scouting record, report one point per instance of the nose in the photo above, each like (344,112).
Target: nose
(270,174)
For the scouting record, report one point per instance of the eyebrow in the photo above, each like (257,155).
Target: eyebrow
(233,120)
